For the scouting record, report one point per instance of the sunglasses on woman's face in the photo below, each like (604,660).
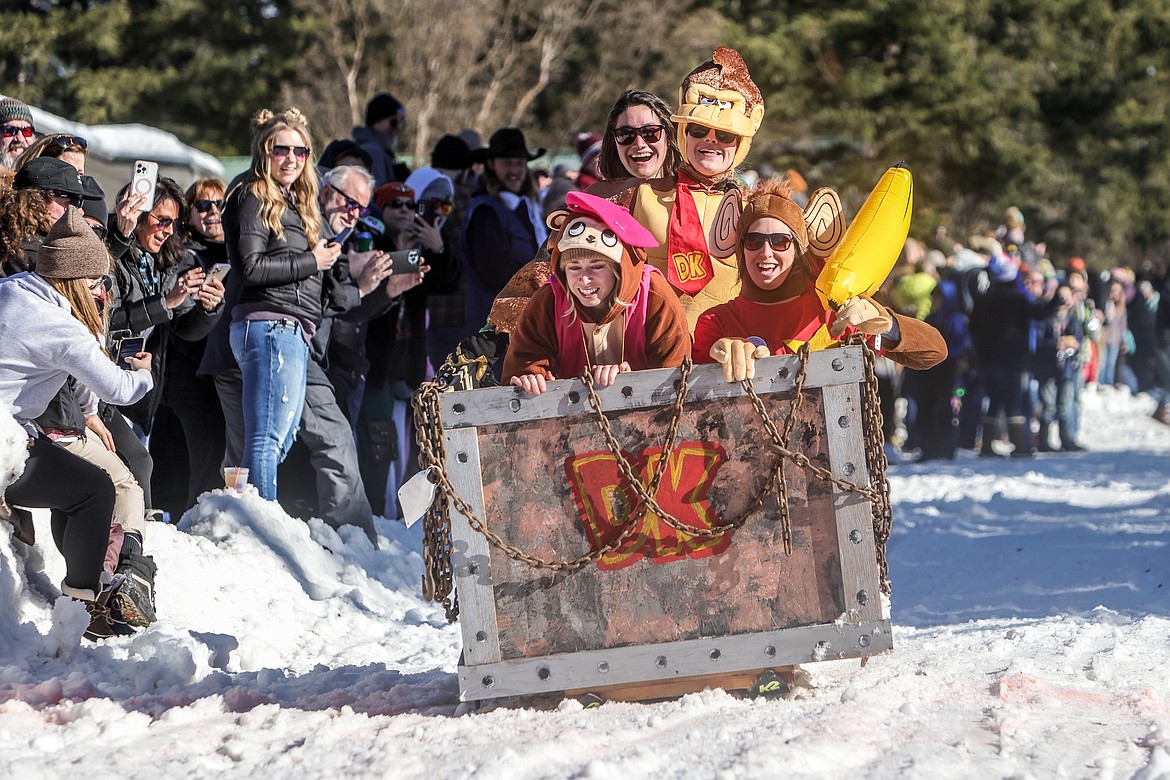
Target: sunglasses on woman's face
(702,131)
(779,241)
(203,205)
(284,150)
(8,131)
(625,134)
(63,142)
(164,223)
(73,200)
(99,231)
(101,283)
(399,203)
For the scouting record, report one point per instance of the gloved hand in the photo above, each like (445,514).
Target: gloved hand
(862,313)
(738,358)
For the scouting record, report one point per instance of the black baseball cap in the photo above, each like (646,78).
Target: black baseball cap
(49,173)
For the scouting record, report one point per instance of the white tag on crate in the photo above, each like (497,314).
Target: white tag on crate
(415,497)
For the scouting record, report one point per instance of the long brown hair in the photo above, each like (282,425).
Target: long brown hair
(265,126)
(610,162)
(84,307)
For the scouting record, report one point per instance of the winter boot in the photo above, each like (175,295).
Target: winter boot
(991,431)
(102,623)
(1044,438)
(1020,437)
(134,602)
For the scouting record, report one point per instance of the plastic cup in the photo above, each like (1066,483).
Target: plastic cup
(235,477)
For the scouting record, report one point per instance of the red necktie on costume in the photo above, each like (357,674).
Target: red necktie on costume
(688,267)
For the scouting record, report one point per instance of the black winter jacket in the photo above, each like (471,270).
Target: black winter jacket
(275,274)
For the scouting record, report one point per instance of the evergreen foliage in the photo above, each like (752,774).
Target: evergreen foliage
(1058,107)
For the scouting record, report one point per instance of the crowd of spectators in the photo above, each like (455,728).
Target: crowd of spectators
(281,322)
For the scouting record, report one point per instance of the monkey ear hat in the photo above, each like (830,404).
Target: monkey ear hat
(721,94)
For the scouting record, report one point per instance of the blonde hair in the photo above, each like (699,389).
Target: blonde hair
(265,126)
(81,301)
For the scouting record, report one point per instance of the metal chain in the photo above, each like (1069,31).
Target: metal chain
(438,577)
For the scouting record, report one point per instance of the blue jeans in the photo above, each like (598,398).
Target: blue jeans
(273,358)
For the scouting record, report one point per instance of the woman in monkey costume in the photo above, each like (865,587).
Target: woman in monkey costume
(781,250)
(603,307)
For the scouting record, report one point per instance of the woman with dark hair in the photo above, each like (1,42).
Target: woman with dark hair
(502,228)
(156,293)
(189,401)
(272,229)
(639,139)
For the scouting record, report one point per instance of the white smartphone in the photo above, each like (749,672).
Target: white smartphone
(143,182)
(219,271)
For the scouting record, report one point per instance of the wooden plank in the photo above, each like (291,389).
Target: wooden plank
(853,513)
(471,554)
(664,586)
(639,664)
(669,689)
(641,389)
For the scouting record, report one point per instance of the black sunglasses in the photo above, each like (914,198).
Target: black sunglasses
(284,150)
(702,131)
(162,223)
(400,203)
(203,205)
(351,204)
(779,241)
(74,200)
(625,135)
(63,142)
(100,231)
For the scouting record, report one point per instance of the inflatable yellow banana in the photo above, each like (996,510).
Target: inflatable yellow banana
(873,241)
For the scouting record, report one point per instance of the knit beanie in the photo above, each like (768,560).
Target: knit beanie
(451,153)
(72,250)
(12,110)
(381,106)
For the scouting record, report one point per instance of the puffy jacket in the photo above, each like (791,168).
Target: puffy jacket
(275,274)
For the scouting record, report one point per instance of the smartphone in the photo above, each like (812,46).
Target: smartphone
(426,210)
(342,237)
(219,271)
(143,182)
(404,261)
(129,347)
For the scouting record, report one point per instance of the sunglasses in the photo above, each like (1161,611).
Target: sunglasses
(163,223)
(702,131)
(400,203)
(104,283)
(284,150)
(63,142)
(779,241)
(8,131)
(625,135)
(351,204)
(73,200)
(100,231)
(203,205)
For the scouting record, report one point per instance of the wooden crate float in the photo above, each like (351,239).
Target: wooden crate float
(665,605)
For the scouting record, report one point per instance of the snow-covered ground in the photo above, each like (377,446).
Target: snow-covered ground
(1032,628)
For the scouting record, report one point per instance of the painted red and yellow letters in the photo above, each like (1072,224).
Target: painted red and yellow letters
(604,503)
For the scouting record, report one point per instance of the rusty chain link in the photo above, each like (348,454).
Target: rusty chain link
(438,578)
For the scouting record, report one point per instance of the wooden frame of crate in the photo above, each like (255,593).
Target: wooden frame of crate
(665,607)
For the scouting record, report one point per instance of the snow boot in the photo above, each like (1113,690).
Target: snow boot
(1020,437)
(134,602)
(102,623)
(991,431)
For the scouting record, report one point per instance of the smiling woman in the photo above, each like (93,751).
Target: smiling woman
(272,229)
